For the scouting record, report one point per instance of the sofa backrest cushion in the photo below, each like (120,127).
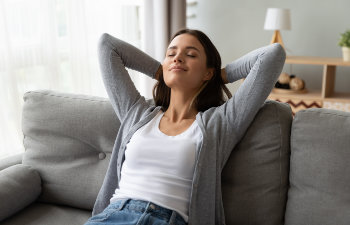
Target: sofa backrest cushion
(320,168)
(255,177)
(68,139)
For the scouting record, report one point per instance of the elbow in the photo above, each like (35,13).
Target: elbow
(278,52)
(104,39)
(107,44)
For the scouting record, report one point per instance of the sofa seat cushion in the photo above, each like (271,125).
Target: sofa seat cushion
(319,172)
(48,214)
(68,139)
(255,177)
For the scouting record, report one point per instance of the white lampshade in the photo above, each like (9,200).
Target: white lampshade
(277,19)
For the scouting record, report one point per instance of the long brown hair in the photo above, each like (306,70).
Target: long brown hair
(212,92)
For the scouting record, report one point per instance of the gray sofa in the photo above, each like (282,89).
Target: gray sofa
(285,170)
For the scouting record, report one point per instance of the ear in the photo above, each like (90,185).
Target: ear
(209,74)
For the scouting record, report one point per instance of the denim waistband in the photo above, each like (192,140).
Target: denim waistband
(143,206)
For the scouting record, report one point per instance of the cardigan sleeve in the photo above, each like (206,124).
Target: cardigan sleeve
(114,56)
(261,69)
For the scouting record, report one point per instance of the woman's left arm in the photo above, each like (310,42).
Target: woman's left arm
(261,69)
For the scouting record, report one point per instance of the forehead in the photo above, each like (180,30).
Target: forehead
(186,40)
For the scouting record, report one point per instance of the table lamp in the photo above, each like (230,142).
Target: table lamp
(277,19)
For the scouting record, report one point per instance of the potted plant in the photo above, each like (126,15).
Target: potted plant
(344,42)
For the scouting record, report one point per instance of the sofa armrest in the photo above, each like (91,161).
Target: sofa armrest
(10,161)
(20,185)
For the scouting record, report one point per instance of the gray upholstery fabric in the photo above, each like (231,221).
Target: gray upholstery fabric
(11,161)
(320,169)
(48,214)
(20,185)
(255,178)
(68,139)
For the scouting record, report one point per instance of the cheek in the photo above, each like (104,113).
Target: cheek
(166,76)
(200,70)
(166,65)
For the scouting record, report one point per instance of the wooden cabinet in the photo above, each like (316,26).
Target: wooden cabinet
(327,97)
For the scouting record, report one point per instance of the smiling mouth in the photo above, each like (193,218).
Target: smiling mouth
(176,68)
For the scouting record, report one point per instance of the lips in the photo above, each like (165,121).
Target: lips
(178,68)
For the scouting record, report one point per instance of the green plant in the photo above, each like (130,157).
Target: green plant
(345,39)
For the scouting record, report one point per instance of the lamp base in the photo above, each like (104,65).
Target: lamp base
(276,38)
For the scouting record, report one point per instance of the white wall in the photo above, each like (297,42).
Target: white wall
(236,27)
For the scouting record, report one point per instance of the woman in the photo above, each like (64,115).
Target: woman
(169,153)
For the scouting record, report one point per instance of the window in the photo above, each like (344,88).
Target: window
(52,44)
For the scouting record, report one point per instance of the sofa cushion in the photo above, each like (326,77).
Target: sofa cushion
(11,161)
(49,214)
(319,172)
(255,177)
(68,139)
(20,186)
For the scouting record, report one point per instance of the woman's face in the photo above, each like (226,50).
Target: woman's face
(184,66)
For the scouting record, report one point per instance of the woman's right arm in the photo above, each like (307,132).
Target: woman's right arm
(114,56)
(261,69)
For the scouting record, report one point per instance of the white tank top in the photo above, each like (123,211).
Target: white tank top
(159,168)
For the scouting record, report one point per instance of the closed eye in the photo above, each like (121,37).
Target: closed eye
(188,54)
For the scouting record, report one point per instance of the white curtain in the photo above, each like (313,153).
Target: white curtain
(51,44)
(162,18)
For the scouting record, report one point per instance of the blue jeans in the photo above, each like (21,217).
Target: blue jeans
(137,212)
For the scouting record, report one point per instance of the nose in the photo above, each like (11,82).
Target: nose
(178,58)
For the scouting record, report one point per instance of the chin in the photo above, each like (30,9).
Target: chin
(171,80)
(177,82)
(171,84)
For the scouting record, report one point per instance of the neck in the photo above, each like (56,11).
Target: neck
(180,107)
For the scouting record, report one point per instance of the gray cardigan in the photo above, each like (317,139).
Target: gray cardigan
(222,127)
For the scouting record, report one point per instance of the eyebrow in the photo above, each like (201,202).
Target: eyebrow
(188,47)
